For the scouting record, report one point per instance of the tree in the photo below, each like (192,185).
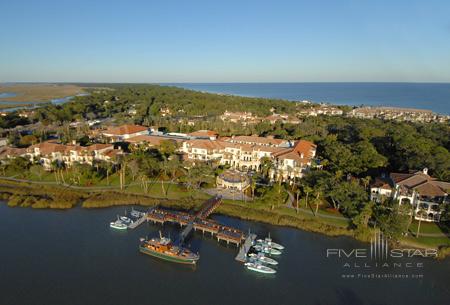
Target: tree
(391,221)
(20,165)
(361,221)
(350,196)
(307,189)
(28,140)
(167,147)
(420,214)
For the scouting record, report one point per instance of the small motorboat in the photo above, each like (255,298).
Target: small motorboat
(266,249)
(270,243)
(118,225)
(136,214)
(258,267)
(263,259)
(125,220)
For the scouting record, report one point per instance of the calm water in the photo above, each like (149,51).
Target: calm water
(56,101)
(430,96)
(7,94)
(73,257)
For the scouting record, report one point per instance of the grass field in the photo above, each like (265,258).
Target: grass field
(36,93)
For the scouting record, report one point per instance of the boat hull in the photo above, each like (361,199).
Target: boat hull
(117,227)
(169,258)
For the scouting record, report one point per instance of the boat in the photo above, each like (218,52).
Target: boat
(266,249)
(118,224)
(263,259)
(136,214)
(270,242)
(163,248)
(258,267)
(125,220)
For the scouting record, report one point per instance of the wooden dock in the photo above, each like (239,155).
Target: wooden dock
(242,254)
(138,221)
(198,222)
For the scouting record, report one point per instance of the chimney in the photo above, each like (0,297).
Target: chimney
(425,171)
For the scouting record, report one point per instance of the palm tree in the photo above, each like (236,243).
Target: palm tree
(420,213)
(307,189)
(253,185)
(317,201)
(297,193)
(365,181)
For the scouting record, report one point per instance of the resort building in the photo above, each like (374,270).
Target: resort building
(121,133)
(239,117)
(283,118)
(424,193)
(259,141)
(149,141)
(48,152)
(204,134)
(294,162)
(242,153)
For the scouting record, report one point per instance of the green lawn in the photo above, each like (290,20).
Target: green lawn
(425,227)
(429,241)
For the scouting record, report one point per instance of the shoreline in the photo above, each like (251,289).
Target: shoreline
(60,197)
(373,104)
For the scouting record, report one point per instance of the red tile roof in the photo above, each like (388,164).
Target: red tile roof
(203,133)
(125,129)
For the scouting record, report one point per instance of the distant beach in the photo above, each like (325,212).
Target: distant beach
(430,96)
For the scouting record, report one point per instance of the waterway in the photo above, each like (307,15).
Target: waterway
(34,104)
(73,257)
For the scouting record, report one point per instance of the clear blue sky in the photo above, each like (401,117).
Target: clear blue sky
(224,41)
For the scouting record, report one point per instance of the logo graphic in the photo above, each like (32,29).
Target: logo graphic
(379,247)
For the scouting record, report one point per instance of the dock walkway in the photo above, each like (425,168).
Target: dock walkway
(242,254)
(138,221)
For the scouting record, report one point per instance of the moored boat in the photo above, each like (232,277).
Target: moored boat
(125,220)
(118,225)
(163,248)
(263,259)
(258,267)
(136,214)
(266,249)
(270,243)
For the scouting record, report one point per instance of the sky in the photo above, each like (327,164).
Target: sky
(225,41)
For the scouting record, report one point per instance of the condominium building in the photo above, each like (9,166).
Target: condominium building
(425,194)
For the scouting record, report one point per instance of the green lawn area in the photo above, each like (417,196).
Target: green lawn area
(282,210)
(429,241)
(425,227)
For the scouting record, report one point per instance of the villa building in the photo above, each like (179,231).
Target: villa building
(47,152)
(246,153)
(293,162)
(204,134)
(259,141)
(239,117)
(149,141)
(424,193)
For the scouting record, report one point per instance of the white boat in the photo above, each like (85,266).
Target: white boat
(270,243)
(125,220)
(136,214)
(119,225)
(266,249)
(263,259)
(258,267)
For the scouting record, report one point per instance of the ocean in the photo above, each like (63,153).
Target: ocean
(431,96)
